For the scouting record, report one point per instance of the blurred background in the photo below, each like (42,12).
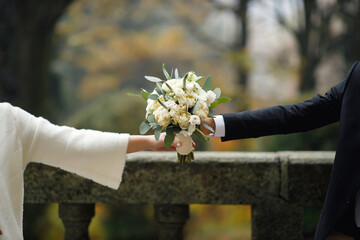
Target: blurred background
(74,61)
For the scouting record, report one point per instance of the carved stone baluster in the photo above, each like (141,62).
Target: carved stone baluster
(76,219)
(172,219)
(276,220)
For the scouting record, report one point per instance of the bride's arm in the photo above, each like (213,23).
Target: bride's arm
(140,143)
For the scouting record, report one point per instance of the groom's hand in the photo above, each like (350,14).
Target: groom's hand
(211,123)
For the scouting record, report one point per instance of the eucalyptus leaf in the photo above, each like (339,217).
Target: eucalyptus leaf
(171,89)
(153,79)
(172,72)
(176,73)
(151,118)
(217,92)
(144,127)
(153,97)
(165,72)
(208,127)
(158,90)
(145,95)
(158,132)
(223,100)
(162,104)
(208,84)
(133,95)
(169,139)
(198,79)
(184,80)
(214,105)
(195,108)
(154,125)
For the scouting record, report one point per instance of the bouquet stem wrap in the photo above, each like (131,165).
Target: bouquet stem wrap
(186,144)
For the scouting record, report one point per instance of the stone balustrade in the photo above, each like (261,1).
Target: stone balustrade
(277,186)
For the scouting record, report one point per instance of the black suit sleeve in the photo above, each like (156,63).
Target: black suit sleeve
(314,113)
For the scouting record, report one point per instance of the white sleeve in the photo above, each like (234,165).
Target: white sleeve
(99,156)
(219,126)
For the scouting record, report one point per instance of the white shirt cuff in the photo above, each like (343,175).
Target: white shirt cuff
(219,126)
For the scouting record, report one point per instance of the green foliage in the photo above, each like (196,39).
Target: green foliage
(208,84)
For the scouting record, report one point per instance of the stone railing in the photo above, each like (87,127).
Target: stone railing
(277,186)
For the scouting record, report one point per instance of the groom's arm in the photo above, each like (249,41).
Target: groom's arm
(314,113)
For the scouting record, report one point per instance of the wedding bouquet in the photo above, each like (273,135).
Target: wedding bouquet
(177,105)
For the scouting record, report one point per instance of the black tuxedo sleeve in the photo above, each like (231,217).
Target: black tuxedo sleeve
(314,113)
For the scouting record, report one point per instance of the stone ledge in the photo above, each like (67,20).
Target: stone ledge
(215,177)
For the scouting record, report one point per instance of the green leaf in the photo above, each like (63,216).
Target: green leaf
(165,72)
(223,100)
(158,90)
(154,125)
(133,95)
(217,92)
(208,84)
(198,79)
(214,105)
(153,97)
(195,108)
(208,127)
(153,79)
(172,72)
(169,138)
(184,81)
(151,118)
(158,132)
(162,104)
(187,104)
(176,73)
(171,89)
(145,94)
(144,127)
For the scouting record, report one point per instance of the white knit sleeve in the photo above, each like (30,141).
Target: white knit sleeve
(95,155)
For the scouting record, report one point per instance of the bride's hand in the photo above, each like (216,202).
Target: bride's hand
(160,145)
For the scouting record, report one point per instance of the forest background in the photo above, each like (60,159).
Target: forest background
(73,62)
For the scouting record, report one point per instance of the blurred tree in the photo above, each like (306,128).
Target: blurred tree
(34,25)
(349,38)
(310,23)
(8,85)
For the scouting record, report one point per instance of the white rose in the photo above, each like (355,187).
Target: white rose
(202,95)
(162,116)
(194,120)
(203,111)
(170,104)
(179,92)
(183,120)
(191,129)
(211,97)
(191,76)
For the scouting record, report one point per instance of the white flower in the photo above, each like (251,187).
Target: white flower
(179,92)
(202,95)
(202,111)
(183,120)
(194,120)
(162,116)
(170,104)
(191,76)
(191,129)
(211,97)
